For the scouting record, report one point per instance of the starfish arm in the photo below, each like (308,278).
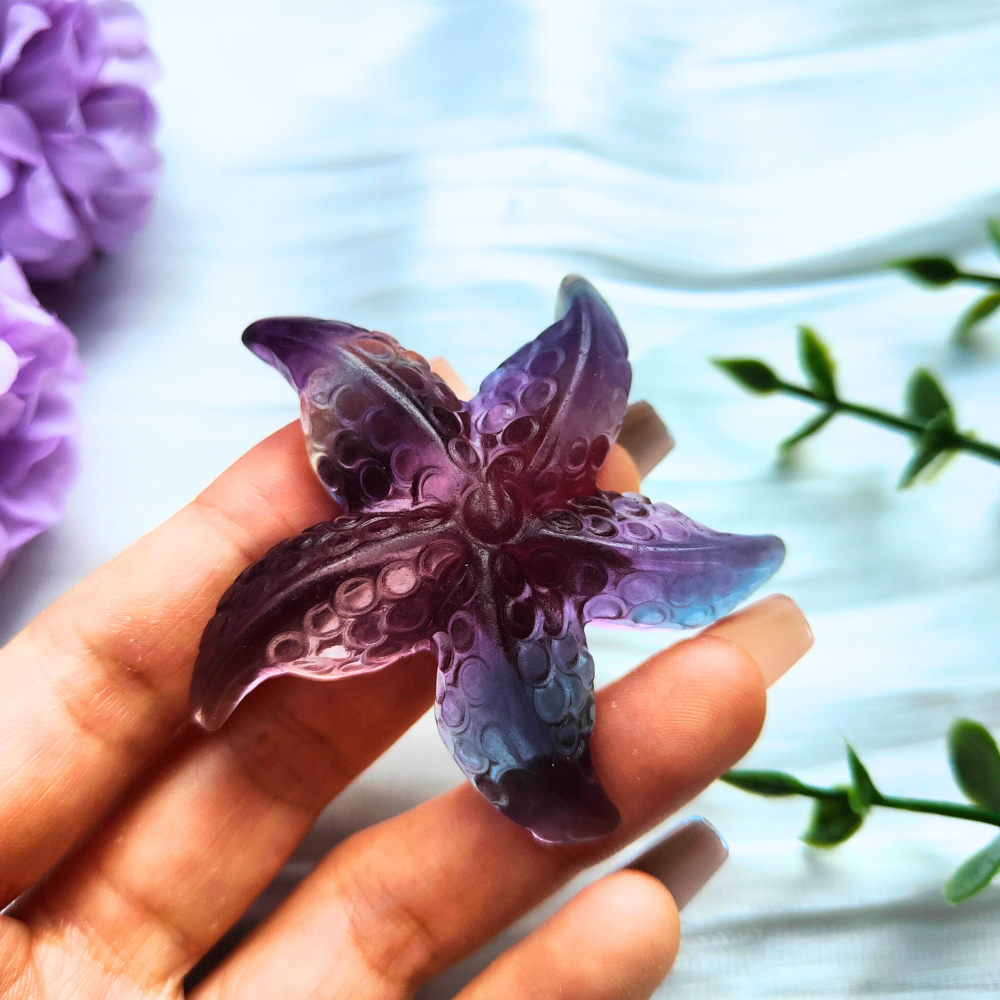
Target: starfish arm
(344,597)
(516,715)
(382,430)
(623,559)
(550,413)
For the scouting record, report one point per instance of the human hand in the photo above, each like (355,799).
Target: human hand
(145,839)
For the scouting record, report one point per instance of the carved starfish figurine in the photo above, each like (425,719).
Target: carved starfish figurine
(475,531)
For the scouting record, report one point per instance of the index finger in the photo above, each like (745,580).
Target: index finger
(98,683)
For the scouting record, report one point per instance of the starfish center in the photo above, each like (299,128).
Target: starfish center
(492,512)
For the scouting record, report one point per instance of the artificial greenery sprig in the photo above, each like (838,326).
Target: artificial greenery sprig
(840,810)
(929,417)
(937,272)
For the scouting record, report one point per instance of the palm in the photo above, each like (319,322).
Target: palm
(146,839)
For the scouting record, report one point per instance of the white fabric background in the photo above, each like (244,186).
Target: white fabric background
(721,171)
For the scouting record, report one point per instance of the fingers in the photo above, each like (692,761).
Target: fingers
(459,871)
(243,800)
(772,630)
(98,683)
(615,940)
(618,472)
(179,862)
(684,859)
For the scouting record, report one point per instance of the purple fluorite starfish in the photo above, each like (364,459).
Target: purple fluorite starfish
(475,531)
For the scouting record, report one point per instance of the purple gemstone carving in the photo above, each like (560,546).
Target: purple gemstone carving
(475,531)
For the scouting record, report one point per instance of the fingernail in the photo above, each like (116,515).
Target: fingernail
(685,858)
(451,378)
(618,473)
(645,437)
(773,631)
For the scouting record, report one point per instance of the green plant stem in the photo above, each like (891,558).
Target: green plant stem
(956,810)
(979,279)
(953,440)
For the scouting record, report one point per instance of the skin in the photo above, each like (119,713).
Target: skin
(141,839)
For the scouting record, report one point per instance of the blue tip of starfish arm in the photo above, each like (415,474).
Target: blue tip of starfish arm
(560,801)
(690,586)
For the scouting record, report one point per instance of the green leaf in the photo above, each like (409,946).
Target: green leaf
(974,315)
(993,231)
(920,462)
(809,428)
(928,270)
(751,374)
(817,363)
(975,874)
(925,398)
(770,783)
(975,762)
(934,449)
(862,794)
(832,822)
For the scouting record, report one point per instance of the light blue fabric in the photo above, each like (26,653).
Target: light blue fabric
(721,171)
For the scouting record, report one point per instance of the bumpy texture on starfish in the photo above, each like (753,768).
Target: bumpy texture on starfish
(475,531)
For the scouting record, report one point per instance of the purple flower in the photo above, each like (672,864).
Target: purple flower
(40,377)
(78,171)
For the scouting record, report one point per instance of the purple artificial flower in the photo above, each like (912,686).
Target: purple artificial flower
(78,171)
(40,377)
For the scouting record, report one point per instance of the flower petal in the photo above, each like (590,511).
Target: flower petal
(345,597)
(9,170)
(14,288)
(9,366)
(558,403)
(18,136)
(24,21)
(124,34)
(80,163)
(124,119)
(45,80)
(40,376)
(383,431)
(516,715)
(47,206)
(60,261)
(123,28)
